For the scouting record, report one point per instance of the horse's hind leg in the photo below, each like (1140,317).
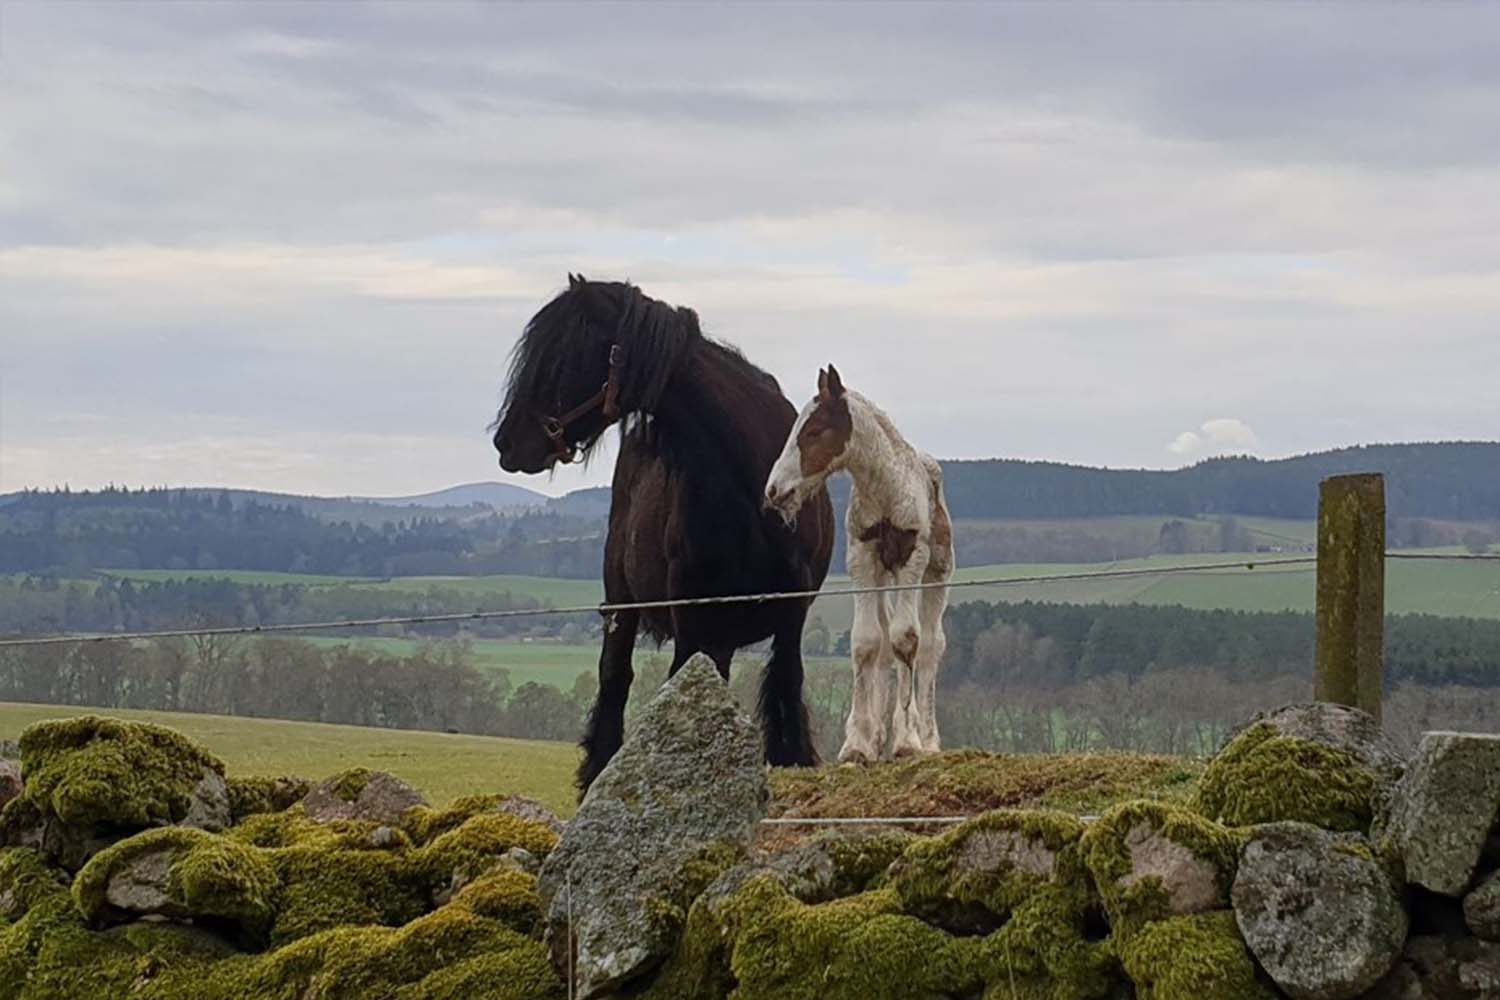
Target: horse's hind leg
(606,726)
(783,713)
(929,658)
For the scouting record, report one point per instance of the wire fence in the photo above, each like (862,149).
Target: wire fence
(1294,564)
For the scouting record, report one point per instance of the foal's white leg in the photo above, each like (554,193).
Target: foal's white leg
(864,731)
(906,640)
(929,658)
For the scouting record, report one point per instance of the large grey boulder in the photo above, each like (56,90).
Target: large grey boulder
(1482,908)
(1442,810)
(1438,968)
(362,794)
(678,803)
(1317,911)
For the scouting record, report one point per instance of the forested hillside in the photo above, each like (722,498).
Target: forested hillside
(1010,511)
(1445,481)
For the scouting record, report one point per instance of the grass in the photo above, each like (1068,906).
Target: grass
(445,767)
(442,766)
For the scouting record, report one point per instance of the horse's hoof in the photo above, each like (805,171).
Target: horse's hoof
(906,753)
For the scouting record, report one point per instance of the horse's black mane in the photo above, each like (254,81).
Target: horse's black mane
(574,332)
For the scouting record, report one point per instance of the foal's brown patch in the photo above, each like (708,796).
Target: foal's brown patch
(893,545)
(824,435)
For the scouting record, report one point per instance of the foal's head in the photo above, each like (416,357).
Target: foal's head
(815,449)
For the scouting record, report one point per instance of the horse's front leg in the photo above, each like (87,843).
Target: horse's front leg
(905,636)
(864,731)
(606,726)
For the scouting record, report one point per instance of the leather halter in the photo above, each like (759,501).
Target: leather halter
(606,400)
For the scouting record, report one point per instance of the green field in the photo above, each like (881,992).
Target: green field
(442,766)
(249,577)
(1470,589)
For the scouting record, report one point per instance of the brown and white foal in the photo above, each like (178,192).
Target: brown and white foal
(899,533)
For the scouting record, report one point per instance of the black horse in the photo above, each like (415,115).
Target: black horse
(700,429)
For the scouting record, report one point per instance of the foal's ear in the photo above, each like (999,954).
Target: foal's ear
(822,384)
(574,280)
(835,384)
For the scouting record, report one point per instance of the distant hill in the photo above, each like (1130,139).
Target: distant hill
(1457,481)
(501,496)
(582,503)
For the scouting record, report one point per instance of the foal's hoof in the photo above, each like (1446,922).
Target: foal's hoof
(855,757)
(907,753)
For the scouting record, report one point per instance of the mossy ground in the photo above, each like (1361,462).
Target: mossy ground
(969,782)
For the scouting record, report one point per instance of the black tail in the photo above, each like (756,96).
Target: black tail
(783,713)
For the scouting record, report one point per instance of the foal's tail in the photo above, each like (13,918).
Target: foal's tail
(783,713)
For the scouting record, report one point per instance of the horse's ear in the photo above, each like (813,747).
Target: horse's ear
(574,281)
(835,384)
(822,384)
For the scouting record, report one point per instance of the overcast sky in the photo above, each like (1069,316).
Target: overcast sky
(290,247)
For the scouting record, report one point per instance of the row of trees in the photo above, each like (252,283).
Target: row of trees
(1056,645)
(40,605)
(1185,710)
(67,533)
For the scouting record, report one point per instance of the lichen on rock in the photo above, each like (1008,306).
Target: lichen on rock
(1151,860)
(1263,776)
(675,806)
(1318,910)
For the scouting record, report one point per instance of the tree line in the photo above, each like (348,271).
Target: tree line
(1056,645)
(69,533)
(44,605)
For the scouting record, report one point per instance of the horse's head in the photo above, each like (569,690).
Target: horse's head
(815,448)
(566,376)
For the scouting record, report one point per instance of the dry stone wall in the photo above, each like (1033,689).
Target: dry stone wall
(1310,861)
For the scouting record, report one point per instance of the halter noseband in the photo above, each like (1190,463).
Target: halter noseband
(606,400)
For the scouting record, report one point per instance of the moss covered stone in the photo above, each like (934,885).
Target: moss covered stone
(425,823)
(523,972)
(293,829)
(254,796)
(507,896)
(858,948)
(1192,958)
(25,879)
(324,889)
(973,877)
(1265,777)
(481,840)
(1151,860)
(204,875)
(91,772)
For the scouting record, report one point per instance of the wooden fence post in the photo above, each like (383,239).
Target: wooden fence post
(1351,592)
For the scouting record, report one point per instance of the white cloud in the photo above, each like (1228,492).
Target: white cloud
(1221,435)
(314,228)
(1186,443)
